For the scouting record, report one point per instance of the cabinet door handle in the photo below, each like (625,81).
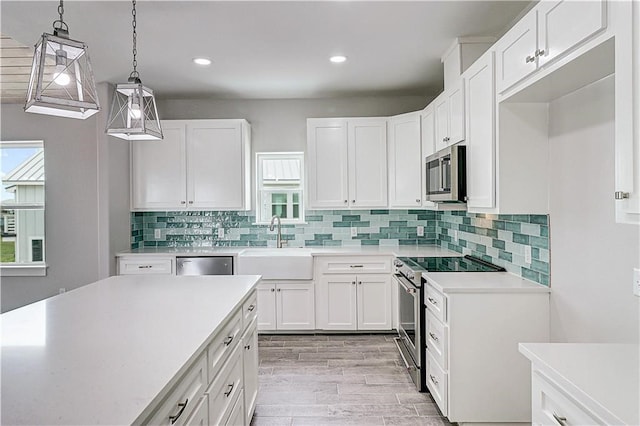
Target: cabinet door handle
(353,282)
(251,308)
(417,200)
(359,282)
(181,406)
(434,337)
(228,392)
(247,347)
(346,201)
(529,59)
(273,289)
(561,420)
(278,289)
(621,195)
(353,201)
(433,379)
(228,340)
(190,202)
(539,52)
(183,202)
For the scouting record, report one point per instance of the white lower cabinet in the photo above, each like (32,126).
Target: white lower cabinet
(473,368)
(221,386)
(286,305)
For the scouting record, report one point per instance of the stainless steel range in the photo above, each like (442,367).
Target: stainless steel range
(412,311)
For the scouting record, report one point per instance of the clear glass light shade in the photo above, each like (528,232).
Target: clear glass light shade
(134,115)
(62,82)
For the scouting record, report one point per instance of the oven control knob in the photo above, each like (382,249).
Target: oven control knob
(397,263)
(411,276)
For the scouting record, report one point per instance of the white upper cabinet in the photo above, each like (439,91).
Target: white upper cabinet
(449,116)
(200,164)
(405,160)
(544,34)
(347,162)
(480,141)
(428,144)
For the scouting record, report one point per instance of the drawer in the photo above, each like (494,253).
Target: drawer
(250,309)
(438,382)
(200,415)
(226,388)
(182,400)
(437,335)
(224,343)
(355,264)
(150,266)
(552,406)
(435,303)
(236,418)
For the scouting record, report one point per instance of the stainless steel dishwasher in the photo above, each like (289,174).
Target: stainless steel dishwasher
(204,265)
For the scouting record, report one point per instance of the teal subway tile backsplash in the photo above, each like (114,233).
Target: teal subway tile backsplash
(500,239)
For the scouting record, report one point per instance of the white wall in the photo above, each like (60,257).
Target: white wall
(86,188)
(592,257)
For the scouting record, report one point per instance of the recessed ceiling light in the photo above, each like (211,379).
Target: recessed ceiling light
(338,59)
(202,61)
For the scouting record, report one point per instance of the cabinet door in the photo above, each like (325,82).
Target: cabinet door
(405,165)
(374,302)
(295,304)
(441,105)
(266,306)
(428,137)
(480,101)
(250,364)
(215,162)
(200,415)
(158,173)
(367,162)
(515,52)
(327,163)
(337,302)
(562,24)
(456,113)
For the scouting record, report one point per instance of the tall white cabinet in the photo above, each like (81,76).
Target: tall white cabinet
(200,164)
(405,165)
(347,162)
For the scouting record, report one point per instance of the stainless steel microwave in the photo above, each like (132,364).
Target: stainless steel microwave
(446,176)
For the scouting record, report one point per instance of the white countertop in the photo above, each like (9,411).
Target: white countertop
(400,251)
(482,282)
(602,376)
(101,354)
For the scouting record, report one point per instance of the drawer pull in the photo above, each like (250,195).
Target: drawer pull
(228,340)
(433,379)
(228,392)
(181,406)
(144,266)
(356,266)
(251,308)
(434,337)
(432,301)
(561,420)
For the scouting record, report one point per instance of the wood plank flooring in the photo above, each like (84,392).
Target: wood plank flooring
(337,380)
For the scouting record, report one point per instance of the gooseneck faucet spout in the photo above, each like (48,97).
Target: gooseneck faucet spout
(279,236)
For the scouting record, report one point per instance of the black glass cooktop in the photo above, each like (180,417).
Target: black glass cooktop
(451,264)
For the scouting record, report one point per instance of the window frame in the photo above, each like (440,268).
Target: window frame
(26,269)
(262,191)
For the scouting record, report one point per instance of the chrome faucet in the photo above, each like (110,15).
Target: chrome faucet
(279,237)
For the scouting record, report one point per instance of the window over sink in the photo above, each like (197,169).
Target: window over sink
(22,217)
(279,186)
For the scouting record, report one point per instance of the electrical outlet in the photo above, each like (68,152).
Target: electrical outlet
(527,255)
(62,290)
(455,236)
(157,233)
(354,231)
(220,232)
(636,281)
(420,231)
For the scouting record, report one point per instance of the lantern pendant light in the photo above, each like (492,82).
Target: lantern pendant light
(134,115)
(61,81)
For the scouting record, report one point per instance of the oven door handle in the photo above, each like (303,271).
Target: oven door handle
(406,284)
(396,340)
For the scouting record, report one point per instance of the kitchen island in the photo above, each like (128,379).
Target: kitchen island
(117,351)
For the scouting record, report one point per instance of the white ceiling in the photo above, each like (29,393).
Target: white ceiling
(269,49)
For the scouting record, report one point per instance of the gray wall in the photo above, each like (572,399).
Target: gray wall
(87,200)
(592,257)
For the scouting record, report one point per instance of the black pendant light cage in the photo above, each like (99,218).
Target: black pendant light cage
(134,114)
(61,81)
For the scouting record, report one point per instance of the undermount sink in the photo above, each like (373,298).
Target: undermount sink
(277,263)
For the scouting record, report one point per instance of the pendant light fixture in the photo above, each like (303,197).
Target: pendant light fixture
(134,115)
(61,81)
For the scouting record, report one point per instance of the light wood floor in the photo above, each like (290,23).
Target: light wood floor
(337,380)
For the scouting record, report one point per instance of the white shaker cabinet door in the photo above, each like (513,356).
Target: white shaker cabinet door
(295,304)
(515,52)
(250,365)
(266,306)
(373,301)
(428,137)
(562,24)
(405,161)
(456,113)
(216,166)
(158,171)
(480,100)
(441,106)
(367,162)
(327,163)
(337,302)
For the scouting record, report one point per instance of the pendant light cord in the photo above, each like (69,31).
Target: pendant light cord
(134,74)
(61,25)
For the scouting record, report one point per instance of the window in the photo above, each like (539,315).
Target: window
(279,187)
(22,241)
